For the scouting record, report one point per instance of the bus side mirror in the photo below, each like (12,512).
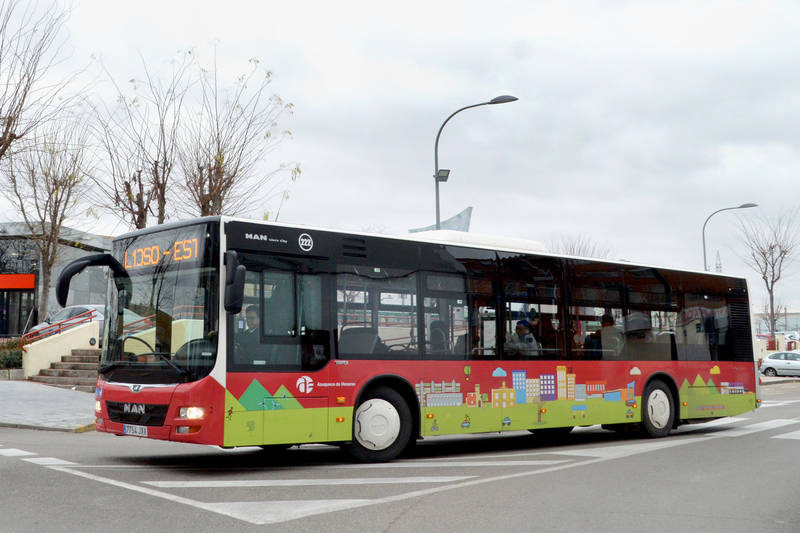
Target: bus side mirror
(121,278)
(234,283)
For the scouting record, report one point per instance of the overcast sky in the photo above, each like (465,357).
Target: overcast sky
(635,120)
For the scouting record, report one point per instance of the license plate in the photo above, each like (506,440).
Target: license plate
(139,431)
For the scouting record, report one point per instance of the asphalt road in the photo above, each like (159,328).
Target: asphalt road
(732,475)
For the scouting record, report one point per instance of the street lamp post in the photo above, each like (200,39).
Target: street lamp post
(443,174)
(743,206)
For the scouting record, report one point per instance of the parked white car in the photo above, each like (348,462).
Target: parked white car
(781,364)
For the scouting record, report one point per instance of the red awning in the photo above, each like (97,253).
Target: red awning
(17,281)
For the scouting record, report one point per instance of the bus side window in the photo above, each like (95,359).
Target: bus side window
(376,312)
(446,316)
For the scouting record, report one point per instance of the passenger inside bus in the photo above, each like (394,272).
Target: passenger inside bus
(522,343)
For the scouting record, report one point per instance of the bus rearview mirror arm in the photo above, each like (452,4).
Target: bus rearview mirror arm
(121,277)
(234,283)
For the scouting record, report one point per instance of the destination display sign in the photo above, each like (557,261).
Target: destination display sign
(181,245)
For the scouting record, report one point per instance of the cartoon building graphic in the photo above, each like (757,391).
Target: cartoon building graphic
(580,392)
(443,399)
(595,389)
(570,386)
(731,388)
(518,382)
(503,397)
(613,395)
(547,383)
(561,381)
(532,390)
(472,399)
(439,394)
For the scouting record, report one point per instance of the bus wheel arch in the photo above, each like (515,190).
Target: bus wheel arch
(660,387)
(385,401)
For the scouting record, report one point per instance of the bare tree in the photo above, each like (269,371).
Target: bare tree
(578,245)
(764,317)
(30,44)
(771,244)
(224,144)
(45,180)
(139,139)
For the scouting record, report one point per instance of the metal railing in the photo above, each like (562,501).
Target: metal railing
(58,327)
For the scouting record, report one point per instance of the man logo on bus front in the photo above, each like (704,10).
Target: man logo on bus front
(305,384)
(306,242)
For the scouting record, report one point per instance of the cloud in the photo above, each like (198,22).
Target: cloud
(714,370)
(635,371)
(499,373)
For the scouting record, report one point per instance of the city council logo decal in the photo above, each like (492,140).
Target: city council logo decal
(305,384)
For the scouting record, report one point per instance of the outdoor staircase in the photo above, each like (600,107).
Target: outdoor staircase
(77,371)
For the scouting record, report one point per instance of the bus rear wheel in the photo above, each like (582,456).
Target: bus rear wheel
(381,427)
(658,412)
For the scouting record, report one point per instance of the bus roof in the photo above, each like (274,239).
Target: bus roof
(447,237)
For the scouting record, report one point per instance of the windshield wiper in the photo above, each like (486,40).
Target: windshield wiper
(164,356)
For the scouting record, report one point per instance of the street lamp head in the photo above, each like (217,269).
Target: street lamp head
(443,174)
(504,99)
(744,206)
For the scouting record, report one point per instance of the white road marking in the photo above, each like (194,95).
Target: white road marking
(13,452)
(625,450)
(302,482)
(271,512)
(755,428)
(282,511)
(49,461)
(777,403)
(712,423)
(454,464)
(793,435)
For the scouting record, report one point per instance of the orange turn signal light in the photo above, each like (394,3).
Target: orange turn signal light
(635,406)
(429,415)
(542,410)
(340,419)
(340,399)
(685,404)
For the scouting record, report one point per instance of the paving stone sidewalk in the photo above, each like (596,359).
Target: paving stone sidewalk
(26,404)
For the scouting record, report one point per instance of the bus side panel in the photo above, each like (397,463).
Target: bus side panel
(461,397)
(282,408)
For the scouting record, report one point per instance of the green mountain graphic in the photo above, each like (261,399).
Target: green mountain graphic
(285,400)
(254,395)
(257,398)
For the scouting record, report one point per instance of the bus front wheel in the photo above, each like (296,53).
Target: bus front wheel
(658,413)
(381,427)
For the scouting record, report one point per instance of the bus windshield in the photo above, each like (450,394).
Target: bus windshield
(162,326)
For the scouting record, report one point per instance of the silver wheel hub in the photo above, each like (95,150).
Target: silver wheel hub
(377,424)
(658,408)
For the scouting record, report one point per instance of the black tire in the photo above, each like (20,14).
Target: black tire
(771,372)
(381,425)
(658,410)
(275,448)
(621,428)
(552,434)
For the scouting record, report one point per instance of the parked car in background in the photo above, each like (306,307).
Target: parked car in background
(70,318)
(781,364)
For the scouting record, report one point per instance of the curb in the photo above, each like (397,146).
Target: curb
(83,428)
(779,381)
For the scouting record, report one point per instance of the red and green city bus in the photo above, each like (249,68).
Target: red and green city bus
(233,333)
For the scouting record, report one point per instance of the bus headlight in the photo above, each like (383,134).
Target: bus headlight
(97,407)
(191,413)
